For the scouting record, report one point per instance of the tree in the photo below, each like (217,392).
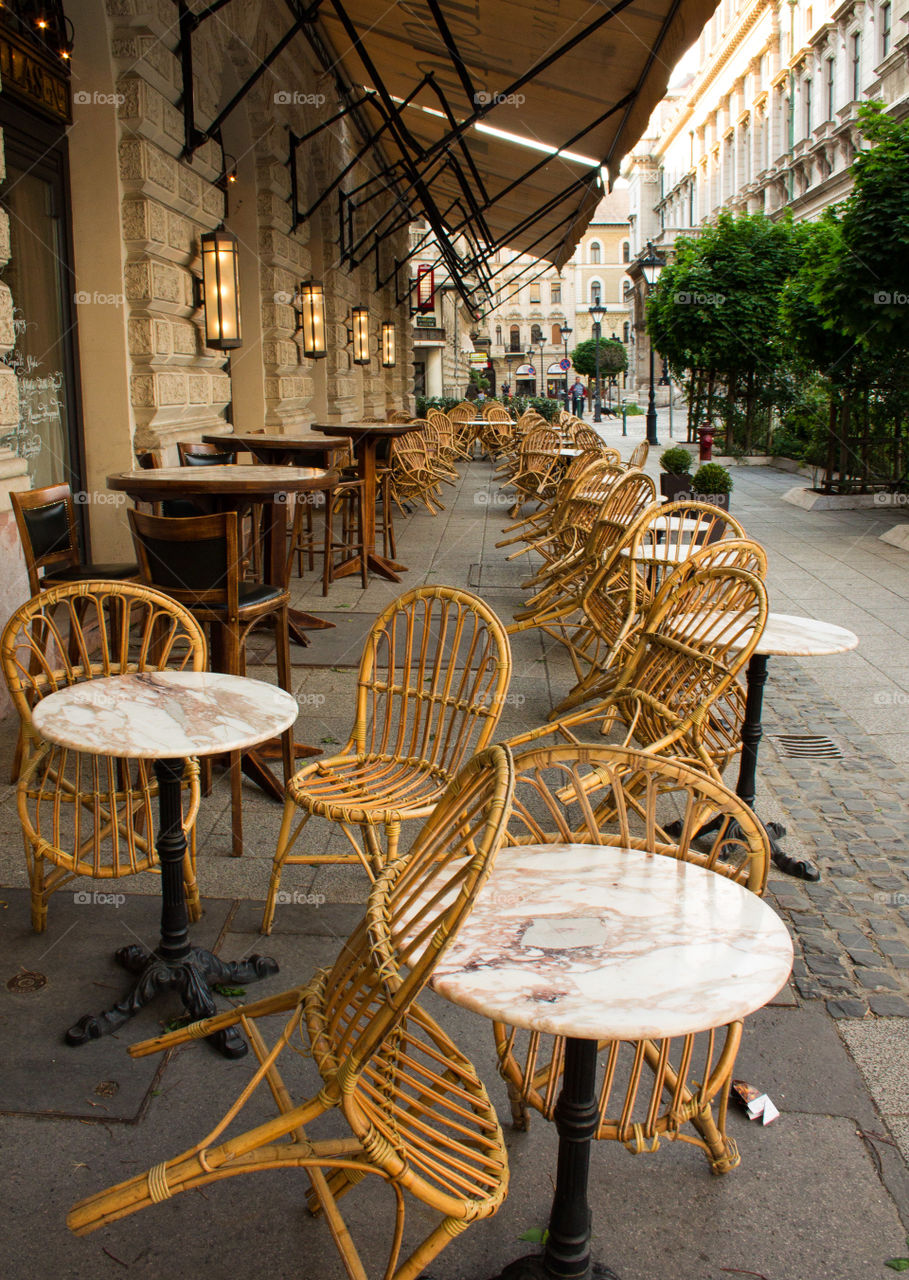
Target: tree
(714,317)
(613,357)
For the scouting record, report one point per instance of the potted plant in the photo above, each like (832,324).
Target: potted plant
(712,483)
(675,478)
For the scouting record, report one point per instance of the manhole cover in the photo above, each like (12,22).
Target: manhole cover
(107,1088)
(807,746)
(27,981)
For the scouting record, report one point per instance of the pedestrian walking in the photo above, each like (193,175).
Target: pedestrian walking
(578,393)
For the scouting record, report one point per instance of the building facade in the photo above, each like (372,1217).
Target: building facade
(767,122)
(520,329)
(114,172)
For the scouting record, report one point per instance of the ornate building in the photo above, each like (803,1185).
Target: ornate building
(532,302)
(768,120)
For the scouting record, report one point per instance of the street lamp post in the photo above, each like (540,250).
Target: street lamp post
(566,334)
(542,372)
(651,265)
(597,311)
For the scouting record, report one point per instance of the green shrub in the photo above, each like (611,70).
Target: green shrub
(633,410)
(711,478)
(443,403)
(548,409)
(676,460)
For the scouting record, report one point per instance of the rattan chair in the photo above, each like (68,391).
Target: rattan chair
(639,454)
(431,687)
(411,474)
(677,694)
(88,815)
(650,1090)
(413,1109)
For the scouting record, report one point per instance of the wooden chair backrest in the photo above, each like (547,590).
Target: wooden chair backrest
(46,520)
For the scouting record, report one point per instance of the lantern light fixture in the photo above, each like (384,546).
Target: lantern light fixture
(311,318)
(221,290)
(388,345)
(358,334)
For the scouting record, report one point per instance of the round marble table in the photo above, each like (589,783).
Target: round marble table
(595,943)
(785,635)
(167,716)
(365,437)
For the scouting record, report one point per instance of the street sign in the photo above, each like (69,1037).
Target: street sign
(427,321)
(564,364)
(530,371)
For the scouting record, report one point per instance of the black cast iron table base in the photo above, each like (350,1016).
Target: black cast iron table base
(746,786)
(192,977)
(566,1254)
(175,964)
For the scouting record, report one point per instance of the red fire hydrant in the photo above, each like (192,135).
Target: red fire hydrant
(705,441)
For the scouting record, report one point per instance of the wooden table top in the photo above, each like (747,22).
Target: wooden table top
(272,440)
(362,429)
(252,481)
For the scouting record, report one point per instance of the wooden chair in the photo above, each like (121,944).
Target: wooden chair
(401,1100)
(196,561)
(537,466)
(87,815)
(430,690)
(46,520)
(193,453)
(651,1090)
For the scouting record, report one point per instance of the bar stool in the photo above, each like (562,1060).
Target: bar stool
(344,500)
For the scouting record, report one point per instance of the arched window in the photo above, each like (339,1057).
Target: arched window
(536,334)
(498,335)
(595,253)
(626,331)
(596,293)
(514,338)
(624,285)
(556,335)
(626,251)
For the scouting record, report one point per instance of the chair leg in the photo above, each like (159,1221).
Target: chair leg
(38,888)
(327,563)
(361,536)
(285,680)
(233,665)
(284,844)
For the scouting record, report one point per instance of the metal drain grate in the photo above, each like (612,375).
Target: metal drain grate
(807,746)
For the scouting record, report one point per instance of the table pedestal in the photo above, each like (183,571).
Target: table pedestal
(175,963)
(566,1254)
(746,785)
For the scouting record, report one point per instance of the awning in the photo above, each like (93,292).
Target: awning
(562,75)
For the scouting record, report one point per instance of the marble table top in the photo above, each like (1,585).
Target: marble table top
(565,452)
(601,943)
(661,552)
(787,635)
(164,714)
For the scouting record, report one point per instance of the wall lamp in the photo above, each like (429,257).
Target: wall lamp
(220,290)
(311,318)
(358,334)
(389,356)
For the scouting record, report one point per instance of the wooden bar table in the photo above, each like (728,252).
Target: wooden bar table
(595,943)
(232,488)
(274,450)
(365,438)
(168,716)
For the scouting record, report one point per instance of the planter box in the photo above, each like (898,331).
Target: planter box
(673,486)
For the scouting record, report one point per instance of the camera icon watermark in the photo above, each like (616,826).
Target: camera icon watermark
(98,498)
(94,898)
(891,698)
(891,499)
(483,98)
(83,298)
(884,298)
(83,98)
(289,98)
(892,899)
(298,898)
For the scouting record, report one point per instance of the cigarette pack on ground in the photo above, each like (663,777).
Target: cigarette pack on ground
(757,1104)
